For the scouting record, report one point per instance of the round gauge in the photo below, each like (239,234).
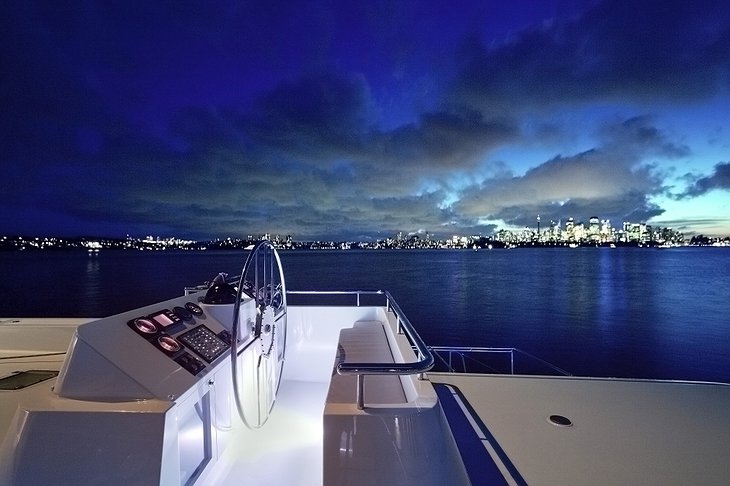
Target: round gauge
(183,313)
(194,308)
(145,325)
(169,344)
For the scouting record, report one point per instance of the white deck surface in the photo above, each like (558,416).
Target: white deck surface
(30,343)
(624,432)
(287,450)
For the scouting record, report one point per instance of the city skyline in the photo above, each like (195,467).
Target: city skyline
(538,224)
(341,121)
(596,232)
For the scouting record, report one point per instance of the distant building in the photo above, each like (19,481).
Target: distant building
(594,229)
(635,232)
(570,229)
(606,231)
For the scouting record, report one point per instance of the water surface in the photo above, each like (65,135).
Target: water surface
(625,312)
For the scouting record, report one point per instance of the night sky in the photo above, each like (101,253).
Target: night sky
(357,120)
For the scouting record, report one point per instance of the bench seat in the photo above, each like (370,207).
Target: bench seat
(365,342)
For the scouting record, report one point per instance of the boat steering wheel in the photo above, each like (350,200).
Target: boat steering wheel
(259,347)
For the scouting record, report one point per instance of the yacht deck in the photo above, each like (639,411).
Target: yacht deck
(623,431)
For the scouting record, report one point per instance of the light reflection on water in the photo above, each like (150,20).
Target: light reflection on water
(593,311)
(93,289)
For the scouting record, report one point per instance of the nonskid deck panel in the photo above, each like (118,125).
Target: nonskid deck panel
(484,459)
(623,431)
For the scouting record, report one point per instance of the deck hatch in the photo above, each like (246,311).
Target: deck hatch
(24,379)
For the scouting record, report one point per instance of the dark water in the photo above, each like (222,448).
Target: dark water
(594,311)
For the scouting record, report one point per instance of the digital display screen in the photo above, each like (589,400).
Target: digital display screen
(165,318)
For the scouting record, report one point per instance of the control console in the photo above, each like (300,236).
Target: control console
(178,334)
(161,350)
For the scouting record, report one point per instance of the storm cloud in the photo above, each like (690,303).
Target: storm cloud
(718,180)
(610,180)
(349,121)
(637,51)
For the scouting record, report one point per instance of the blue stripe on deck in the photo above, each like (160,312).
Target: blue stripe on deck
(480,467)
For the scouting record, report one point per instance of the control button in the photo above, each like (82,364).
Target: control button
(183,313)
(194,308)
(225,336)
(190,363)
(204,343)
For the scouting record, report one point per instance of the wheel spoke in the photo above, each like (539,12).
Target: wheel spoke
(263,277)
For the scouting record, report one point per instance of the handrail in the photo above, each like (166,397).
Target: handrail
(425,357)
(425,361)
(465,352)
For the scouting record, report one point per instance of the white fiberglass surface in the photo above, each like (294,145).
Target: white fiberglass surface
(313,334)
(623,431)
(287,450)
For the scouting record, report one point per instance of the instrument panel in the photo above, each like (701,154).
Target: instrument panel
(179,334)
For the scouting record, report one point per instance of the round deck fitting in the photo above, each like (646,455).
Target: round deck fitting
(560,421)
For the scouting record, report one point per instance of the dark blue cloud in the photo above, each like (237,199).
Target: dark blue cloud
(718,180)
(640,51)
(640,135)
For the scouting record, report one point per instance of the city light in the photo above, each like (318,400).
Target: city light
(570,234)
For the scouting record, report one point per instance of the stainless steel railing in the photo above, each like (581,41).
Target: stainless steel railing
(425,359)
(460,359)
